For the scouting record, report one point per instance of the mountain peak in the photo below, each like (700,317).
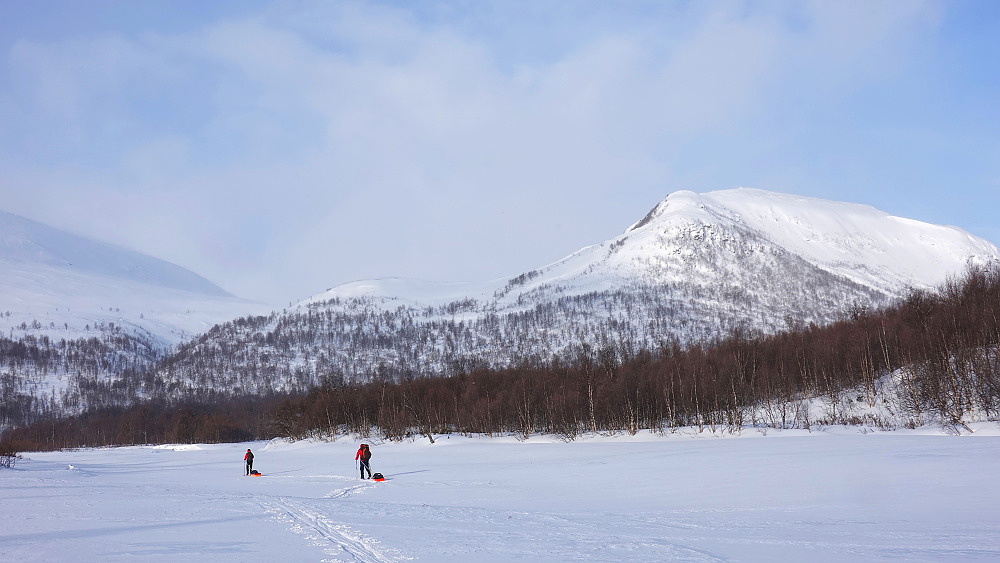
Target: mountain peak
(675,203)
(853,240)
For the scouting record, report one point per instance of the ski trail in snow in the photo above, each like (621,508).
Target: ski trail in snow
(345,492)
(345,541)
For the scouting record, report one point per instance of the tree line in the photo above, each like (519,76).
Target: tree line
(940,350)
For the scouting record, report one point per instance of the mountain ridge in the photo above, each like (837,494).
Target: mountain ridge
(694,212)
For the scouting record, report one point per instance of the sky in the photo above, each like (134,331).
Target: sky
(280,148)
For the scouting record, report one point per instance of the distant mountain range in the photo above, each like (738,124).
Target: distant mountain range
(89,324)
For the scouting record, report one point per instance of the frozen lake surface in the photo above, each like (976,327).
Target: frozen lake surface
(835,495)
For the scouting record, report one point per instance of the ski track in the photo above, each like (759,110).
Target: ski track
(309,521)
(346,492)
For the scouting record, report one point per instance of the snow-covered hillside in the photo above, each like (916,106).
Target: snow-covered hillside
(76,314)
(59,285)
(693,269)
(690,236)
(858,242)
(708,263)
(826,496)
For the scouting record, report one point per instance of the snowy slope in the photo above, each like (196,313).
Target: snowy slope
(705,263)
(64,286)
(30,243)
(77,314)
(695,268)
(825,496)
(857,243)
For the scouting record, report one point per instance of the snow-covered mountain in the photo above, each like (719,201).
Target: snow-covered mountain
(60,285)
(692,238)
(694,268)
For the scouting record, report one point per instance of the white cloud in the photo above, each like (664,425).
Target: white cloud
(312,144)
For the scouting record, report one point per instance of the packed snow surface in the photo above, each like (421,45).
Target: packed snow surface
(833,495)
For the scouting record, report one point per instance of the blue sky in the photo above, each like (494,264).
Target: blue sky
(281,148)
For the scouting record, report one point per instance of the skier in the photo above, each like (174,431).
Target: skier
(248,457)
(364,454)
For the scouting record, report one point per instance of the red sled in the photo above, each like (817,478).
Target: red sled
(255,473)
(378,477)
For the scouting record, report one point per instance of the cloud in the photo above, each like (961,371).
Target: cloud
(307,144)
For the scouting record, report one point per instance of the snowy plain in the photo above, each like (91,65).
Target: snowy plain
(837,494)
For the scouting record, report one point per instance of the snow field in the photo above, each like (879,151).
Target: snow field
(835,495)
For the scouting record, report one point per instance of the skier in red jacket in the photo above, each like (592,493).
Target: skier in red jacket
(364,454)
(248,457)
